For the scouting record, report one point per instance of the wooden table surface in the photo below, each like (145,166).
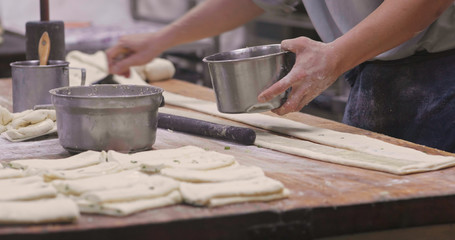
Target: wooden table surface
(326,199)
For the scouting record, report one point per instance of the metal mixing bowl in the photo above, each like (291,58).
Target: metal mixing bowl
(107,117)
(239,76)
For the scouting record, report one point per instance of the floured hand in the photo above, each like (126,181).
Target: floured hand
(314,71)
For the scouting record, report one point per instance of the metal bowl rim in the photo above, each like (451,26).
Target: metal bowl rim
(55,90)
(59,63)
(207,59)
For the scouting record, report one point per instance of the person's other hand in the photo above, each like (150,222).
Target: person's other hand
(315,69)
(132,50)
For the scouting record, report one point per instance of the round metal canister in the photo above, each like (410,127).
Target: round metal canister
(239,76)
(32,82)
(107,117)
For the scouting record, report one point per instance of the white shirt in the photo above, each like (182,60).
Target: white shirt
(333,18)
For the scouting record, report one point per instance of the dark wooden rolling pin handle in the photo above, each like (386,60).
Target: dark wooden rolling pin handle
(199,127)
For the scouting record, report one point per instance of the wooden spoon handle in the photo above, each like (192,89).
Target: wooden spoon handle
(44,48)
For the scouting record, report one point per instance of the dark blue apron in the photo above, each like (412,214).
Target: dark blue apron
(411,98)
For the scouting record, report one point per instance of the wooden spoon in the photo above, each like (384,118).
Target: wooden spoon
(44,48)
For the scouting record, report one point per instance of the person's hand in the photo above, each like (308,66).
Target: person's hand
(315,69)
(132,50)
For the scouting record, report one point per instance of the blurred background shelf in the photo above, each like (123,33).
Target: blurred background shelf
(100,26)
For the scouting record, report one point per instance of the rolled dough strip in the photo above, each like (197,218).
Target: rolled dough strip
(217,175)
(200,193)
(105,182)
(198,160)
(354,142)
(127,208)
(154,186)
(320,135)
(30,191)
(215,202)
(41,211)
(85,172)
(80,160)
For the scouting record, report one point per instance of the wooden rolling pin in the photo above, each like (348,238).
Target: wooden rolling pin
(199,127)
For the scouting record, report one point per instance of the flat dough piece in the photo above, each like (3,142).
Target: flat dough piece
(353,142)
(105,182)
(41,211)
(217,175)
(29,191)
(80,160)
(85,172)
(10,173)
(133,161)
(127,208)
(216,202)
(154,186)
(30,131)
(200,193)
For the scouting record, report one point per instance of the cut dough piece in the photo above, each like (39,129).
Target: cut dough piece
(5,116)
(204,160)
(217,175)
(127,208)
(200,193)
(154,186)
(33,117)
(26,188)
(80,160)
(41,211)
(85,172)
(20,181)
(215,202)
(105,182)
(34,130)
(10,173)
(29,191)
(132,161)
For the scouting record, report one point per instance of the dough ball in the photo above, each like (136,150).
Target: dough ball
(159,69)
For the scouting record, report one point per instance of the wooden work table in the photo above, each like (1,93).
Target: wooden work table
(326,199)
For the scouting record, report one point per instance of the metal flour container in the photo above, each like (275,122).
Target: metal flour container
(32,82)
(239,76)
(107,117)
